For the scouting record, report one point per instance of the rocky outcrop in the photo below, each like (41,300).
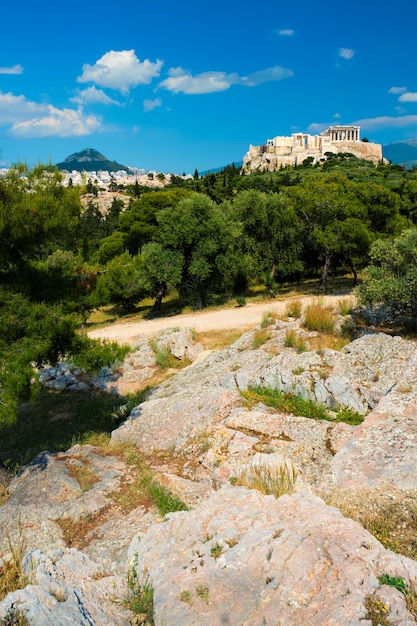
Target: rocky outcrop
(245,558)
(238,556)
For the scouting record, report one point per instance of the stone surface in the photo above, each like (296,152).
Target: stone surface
(237,557)
(244,558)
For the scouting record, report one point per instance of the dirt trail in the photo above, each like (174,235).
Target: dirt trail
(239,319)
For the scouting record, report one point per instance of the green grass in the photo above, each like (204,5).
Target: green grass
(293,340)
(290,402)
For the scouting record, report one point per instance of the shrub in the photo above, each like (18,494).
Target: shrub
(163,356)
(240,301)
(320,318)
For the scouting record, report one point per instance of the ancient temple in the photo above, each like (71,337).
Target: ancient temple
(289,151)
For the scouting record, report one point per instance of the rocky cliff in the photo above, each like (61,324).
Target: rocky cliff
(238,555)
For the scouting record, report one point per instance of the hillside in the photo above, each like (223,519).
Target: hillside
(90,160)
(402,152)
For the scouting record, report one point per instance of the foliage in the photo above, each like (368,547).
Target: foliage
(140,599)
(122,283)
(392,273)
(293,308)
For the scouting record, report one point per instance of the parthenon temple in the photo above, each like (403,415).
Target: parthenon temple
(289,151)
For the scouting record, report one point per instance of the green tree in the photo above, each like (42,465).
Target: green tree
(392,273)
(199,231)
(121,282)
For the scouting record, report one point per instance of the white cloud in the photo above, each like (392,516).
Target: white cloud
(372,123)
(386,121)
(182,81)
(120,70)
(91,95)
(408,97)
(148,105)
(337,116)
(285,32)
(16,69)
(346,53)
(30,119)
(397,90)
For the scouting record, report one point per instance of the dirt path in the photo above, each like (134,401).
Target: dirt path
(239,319)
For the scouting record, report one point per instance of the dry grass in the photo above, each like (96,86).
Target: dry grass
(346,305)
(269,318)
(391,517)
(218,339)
(11,573)
(260,336)
(293,308)
(83,474)
(293,340)
(319,317)
(273,480)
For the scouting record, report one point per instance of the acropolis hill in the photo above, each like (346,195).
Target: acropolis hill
(282,151)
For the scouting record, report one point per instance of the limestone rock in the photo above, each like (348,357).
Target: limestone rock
(244,558)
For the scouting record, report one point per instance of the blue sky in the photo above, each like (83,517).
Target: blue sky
(174,86)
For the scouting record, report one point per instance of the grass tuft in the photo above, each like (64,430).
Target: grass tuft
(320,318)
(293,340)
(346,306)
(260,336)
(293,308)
(268,479)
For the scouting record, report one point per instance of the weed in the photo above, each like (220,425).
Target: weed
(393,581)
(163,356)
(346,306)
(399,584)
(140,598)
(260,336)
(14,617)
(268,479)
(293,308)
(349,416)
(319,317)
(185,596)
(216,550)
(11,573)
(163,498)
(83,475)
(269,318)
(376,612)
(298,370)
(292,340)
(240,301)
(203,592)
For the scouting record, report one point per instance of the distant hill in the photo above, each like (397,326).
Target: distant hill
(89,160)
(215,170)
(401,152)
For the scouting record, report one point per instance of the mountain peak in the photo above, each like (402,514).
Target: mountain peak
(90,160)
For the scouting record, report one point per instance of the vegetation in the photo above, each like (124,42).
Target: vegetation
(290,402)
(268,479)
(210,238)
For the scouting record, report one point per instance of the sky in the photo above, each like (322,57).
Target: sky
(176,85)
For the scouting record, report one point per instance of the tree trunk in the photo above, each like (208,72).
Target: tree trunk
(326,268)
(353,270)
(159,296)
